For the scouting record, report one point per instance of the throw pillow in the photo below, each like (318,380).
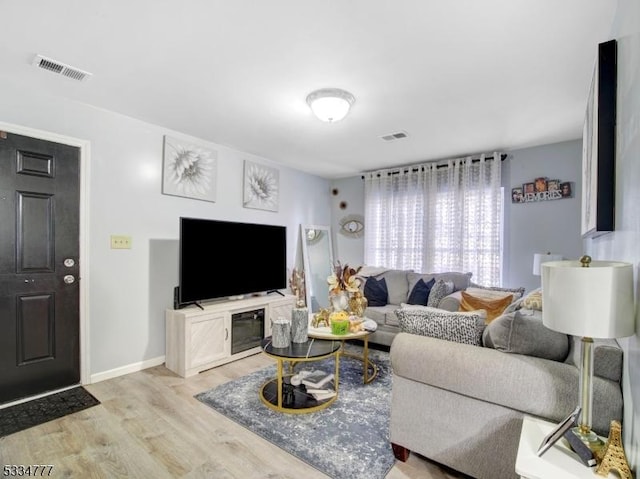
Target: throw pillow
(459,327)
(517,292)
(420,292)
(533,300)
(440,289)
(376,291)
(493,307)
(488,293)
(519,333)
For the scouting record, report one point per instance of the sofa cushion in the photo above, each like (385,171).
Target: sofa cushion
(383,315)
(493,307)
(521,333)
(376,291)
(607,357)
(460,281)
(420,292)
(425,321)
(440,289)
(397,285)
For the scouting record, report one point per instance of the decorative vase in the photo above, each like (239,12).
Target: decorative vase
(358,303)
(281,333)
(339,301)
(299,325)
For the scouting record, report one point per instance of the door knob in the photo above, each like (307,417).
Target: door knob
(69,279)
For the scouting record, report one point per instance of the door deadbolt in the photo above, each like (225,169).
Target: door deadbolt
(69,262)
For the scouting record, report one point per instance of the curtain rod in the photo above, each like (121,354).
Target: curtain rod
(406,169)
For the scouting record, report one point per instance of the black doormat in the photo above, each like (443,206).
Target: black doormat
(45,409)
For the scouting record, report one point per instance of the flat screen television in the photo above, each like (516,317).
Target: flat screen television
(221,259)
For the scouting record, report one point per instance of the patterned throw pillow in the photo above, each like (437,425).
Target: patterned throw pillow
(459,327)
(517,292)
(440,289)
(493,307)
(533,300)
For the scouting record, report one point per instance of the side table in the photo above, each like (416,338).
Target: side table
(558,461)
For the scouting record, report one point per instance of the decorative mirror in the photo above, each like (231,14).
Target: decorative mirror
(317,255)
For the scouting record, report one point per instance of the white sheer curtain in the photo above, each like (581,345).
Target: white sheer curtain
(437,217)
(394,216)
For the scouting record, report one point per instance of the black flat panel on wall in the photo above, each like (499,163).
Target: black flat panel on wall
(36,164)
(35,327)
(34,243)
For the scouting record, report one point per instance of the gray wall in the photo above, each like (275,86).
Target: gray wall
(624,243)
(127,290)
(530,228)
(545,226)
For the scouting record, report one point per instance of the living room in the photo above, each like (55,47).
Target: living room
(126,291)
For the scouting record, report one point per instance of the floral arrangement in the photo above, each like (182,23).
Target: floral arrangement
(343,278)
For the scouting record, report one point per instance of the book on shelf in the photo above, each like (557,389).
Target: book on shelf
(316,381)
(320,394)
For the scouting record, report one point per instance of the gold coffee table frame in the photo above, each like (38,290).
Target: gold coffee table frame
(326,334)
(293,355)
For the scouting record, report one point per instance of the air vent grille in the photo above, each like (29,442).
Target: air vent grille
(395,136)
(60,68)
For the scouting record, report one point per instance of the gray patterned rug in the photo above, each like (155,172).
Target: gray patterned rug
(349,439)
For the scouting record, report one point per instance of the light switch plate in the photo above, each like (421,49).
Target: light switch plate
(120,242)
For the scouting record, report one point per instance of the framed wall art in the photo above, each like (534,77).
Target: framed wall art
(599,146)
(189,170)
(261,186)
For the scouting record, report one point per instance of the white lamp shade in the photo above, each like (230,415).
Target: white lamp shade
(330,104)
(594,301)
(540,258)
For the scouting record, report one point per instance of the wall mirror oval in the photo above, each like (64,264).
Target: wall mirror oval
(317,255)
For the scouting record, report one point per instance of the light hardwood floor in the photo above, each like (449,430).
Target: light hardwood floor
(148,425)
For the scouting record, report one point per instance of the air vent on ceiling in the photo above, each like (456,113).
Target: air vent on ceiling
(60,68)
(395,136)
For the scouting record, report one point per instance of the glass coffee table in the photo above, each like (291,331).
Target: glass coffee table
(369,369)
(279,394)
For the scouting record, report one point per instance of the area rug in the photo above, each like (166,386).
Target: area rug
(349,439)
(45,409)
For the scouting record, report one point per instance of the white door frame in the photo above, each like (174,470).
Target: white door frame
(85,154)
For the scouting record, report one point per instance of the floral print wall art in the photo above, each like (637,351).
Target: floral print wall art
(189,170)
(261,186)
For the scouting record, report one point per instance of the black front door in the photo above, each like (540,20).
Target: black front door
(39,254)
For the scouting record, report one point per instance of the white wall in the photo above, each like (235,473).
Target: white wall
(125,305)
(347,249)
(624,243)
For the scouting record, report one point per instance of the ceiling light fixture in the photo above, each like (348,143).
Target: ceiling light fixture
(330,104)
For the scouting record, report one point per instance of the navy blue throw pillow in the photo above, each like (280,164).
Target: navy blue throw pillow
(376,291)
(420,292)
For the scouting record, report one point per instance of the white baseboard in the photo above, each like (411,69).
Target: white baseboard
(129,368)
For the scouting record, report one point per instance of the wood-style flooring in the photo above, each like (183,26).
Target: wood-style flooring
(148,425)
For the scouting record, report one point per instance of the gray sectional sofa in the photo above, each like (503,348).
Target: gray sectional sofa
(462,405)
(400,283)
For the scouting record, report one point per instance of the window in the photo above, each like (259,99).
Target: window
(437,218)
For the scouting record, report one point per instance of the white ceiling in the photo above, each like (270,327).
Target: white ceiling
(460,77)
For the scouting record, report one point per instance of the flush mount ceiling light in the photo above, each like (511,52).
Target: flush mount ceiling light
(330,104)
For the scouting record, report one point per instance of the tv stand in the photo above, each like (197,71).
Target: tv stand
(199,338)
(275,291)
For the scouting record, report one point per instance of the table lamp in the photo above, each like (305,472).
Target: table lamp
(540,258)
(591,299)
